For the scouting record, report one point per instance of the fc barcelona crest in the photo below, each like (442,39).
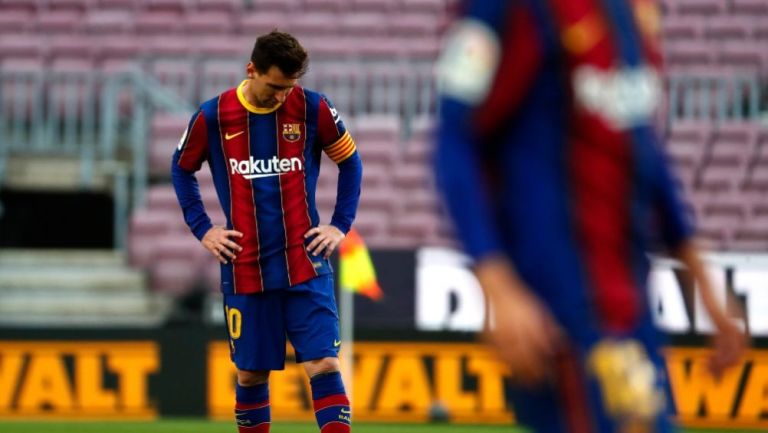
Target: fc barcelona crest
(291,131)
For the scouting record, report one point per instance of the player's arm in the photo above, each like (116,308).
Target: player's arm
(339,145)
(524,334)
(677,232)
(188,158)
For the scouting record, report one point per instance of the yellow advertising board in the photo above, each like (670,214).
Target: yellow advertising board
(391,382)
(67,379)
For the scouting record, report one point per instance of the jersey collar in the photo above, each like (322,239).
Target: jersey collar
(250,107)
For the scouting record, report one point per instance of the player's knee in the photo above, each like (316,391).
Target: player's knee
(251,378)
(320,366)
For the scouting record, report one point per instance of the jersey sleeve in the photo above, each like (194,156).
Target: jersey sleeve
(333,136)
(675,223)
(187,159)
(193,146)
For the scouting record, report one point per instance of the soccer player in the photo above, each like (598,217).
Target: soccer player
(551,170)
(263,142)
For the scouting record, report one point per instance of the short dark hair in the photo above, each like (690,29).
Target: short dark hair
(280,49)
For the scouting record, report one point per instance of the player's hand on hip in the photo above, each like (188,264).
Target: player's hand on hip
(524,333)
(327,238)
(218,240)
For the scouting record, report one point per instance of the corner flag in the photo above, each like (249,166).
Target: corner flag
(356,272)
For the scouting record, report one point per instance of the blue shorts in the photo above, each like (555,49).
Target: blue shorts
(259,323)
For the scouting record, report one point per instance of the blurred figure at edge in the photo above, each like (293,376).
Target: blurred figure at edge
(557,184)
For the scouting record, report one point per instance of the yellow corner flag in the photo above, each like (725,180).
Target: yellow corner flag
(356,272)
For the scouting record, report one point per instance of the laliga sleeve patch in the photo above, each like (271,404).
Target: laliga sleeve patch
(467,66)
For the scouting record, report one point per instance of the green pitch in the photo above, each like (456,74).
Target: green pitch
(199,426)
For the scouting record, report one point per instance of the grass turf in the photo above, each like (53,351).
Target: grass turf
(202,426)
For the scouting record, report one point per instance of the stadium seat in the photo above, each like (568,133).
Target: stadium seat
(58,21)
(258,22)
(207,22)
(751,8)
(15,21)
(99,22)
(163,22)
(698,7)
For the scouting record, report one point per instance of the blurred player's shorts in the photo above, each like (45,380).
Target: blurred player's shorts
(628,381)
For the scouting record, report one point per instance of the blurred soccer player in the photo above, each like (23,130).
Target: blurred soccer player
(263,141)
(556,182)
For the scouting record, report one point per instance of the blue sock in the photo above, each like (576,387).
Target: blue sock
(252,409)
(331,403)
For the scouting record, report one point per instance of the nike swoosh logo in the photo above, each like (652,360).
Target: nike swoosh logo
(227,136)
(345,410)
(336,343)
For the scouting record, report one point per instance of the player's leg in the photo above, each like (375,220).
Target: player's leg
(312,324)
(257,344)
(252,409)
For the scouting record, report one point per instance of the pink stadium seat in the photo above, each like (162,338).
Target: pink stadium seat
(221,46)
(22,46)
(409,176)
(377,47)
(749,7)
(58,21)
(414,24)
(372,223)
(376,200)
(109,22)
(382,128)
(162,22)
(752,236)
(146,226)
(162,197)
(362,24)
(207,22)
(698,7)
(429,6)
(677,28)
(372,5)
(117,47)
(419,151)
(76,5)
(230,6)
(719,179)
(749,56)
(276,5)
(415,227)
(168,5)
(757,179)
(688,53)
(10,6)
(324,5)
(375,152)
(118,4)
(177,75)
(15,21)
(310,25)
(177,277)
(725,28)
(253,23)
(164,45)
(169,125)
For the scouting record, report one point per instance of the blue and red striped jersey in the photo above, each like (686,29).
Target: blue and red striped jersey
(265,164)
(547,129)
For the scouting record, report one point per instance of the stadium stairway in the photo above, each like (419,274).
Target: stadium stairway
(75,288)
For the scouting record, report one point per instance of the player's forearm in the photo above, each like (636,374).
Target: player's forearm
(688,254)
(188,194)
(347,192)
